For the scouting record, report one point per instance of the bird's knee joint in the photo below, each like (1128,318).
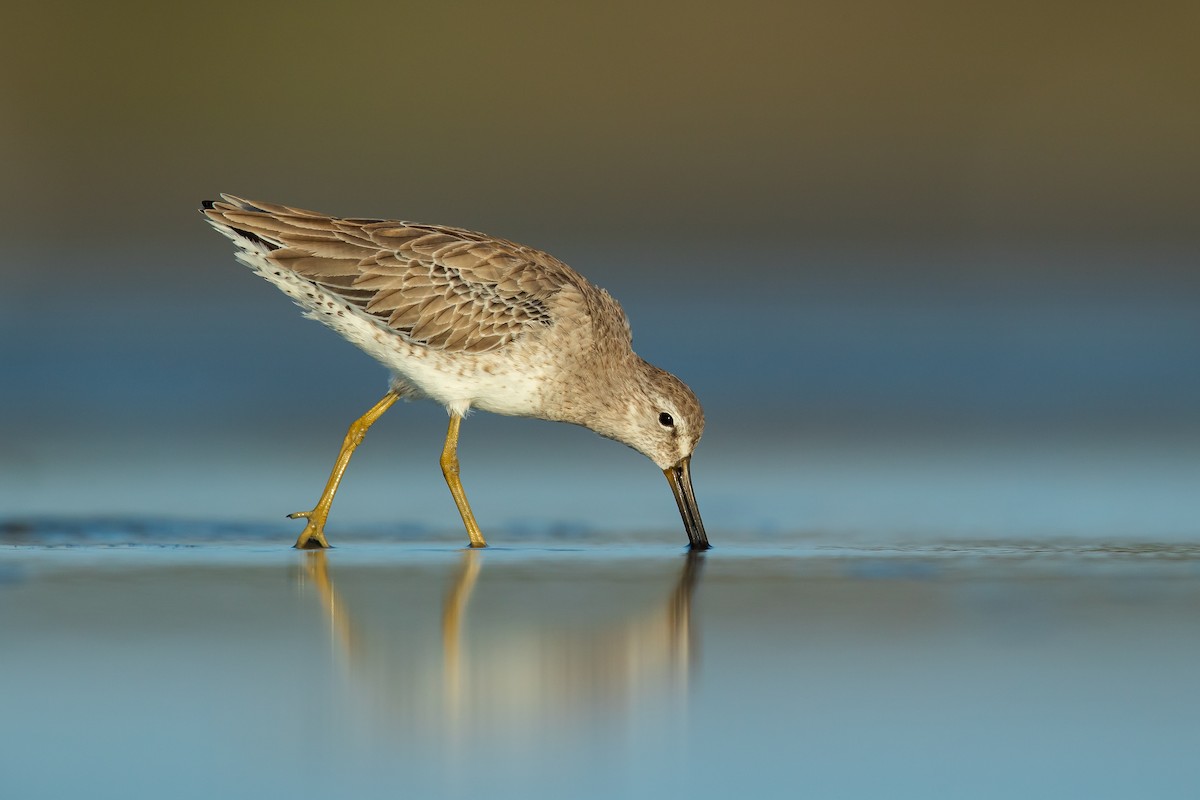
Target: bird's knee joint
(356,434)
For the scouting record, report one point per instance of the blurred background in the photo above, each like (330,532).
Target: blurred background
(931,266)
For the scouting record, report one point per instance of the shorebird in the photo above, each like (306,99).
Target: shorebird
(469,321)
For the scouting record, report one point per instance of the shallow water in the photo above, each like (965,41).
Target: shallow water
(217,662)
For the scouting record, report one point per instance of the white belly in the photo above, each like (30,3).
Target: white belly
(502,382)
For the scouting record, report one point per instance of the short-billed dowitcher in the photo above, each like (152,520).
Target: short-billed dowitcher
(469,321)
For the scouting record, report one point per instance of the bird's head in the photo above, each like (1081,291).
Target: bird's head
(660,417)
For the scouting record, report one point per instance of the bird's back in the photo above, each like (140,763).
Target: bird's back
(462,316)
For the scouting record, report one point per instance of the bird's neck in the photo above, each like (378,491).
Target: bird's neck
(605,396)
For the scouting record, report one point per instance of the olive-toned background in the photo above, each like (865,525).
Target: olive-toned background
(924,227)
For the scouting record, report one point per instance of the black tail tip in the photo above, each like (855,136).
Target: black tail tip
(205,205)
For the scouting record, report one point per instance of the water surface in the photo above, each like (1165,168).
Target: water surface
(218,662)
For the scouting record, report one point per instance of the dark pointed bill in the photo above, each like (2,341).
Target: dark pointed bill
(680,478)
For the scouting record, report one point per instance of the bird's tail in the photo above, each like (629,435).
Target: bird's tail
(254,225)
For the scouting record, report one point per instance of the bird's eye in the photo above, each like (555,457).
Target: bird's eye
(666,420)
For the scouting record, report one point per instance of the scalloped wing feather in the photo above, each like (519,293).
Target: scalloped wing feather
(446,288)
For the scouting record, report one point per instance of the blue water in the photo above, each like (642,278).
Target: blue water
(954,512)
(225,664)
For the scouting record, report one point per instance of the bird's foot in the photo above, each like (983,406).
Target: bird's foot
(313,535)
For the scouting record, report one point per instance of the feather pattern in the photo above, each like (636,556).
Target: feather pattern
(445,288)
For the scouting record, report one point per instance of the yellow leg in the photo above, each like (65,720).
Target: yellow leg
(313,535)
(450,470)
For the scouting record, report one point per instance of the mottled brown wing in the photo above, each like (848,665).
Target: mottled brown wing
(447,288)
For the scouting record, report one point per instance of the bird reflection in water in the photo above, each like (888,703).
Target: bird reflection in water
(510,668)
